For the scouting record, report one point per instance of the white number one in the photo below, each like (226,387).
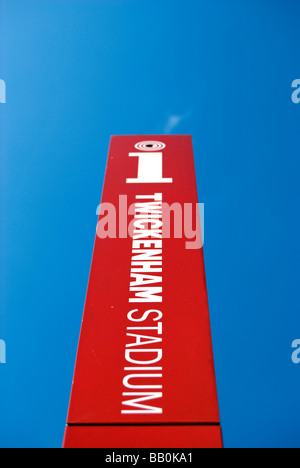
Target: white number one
(150,169)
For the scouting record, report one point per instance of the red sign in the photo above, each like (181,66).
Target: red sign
(145,358)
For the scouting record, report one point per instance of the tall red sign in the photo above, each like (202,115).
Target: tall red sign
(144,374)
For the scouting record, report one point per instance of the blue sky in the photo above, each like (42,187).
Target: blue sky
(78,71)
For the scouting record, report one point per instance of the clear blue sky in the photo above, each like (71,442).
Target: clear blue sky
(78,71)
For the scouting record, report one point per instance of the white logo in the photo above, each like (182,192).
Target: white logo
(150,164)
(150,146)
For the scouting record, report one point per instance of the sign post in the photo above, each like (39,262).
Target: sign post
(144,374)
